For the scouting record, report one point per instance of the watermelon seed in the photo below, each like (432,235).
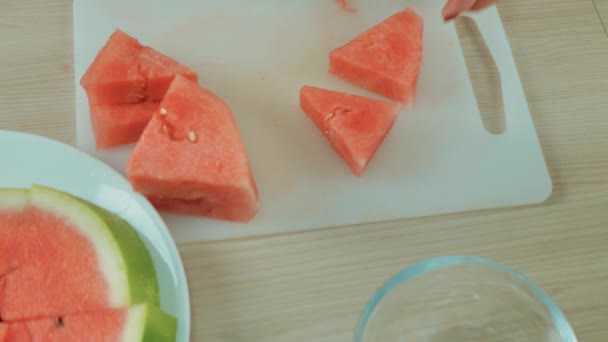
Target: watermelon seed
(326,121)
(163,111)
(192,136)
(60,322)
(165,129)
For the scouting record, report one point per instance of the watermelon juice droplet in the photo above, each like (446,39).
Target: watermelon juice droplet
(345,6)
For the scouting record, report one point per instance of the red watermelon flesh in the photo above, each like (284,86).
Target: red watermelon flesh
(104,325)
(137,323)
(116,125)
(202,206)
(384,59)
(125,71)
(159,70)
(3,332)
(61,255)
(12,205)
(191,159)
(114,75)
(17,333)
(45,263)
(355,125)
(74,271)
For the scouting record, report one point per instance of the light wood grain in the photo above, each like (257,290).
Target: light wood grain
(37,91)
(311,286)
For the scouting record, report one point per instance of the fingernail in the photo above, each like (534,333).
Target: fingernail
(447,19)
(450,10)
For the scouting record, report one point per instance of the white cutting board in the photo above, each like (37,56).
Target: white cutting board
(257,54)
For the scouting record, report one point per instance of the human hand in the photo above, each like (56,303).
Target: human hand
(454,8)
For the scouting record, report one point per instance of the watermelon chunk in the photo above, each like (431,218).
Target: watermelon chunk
(114,75)
(355,125)
(63,255)
(124,85)
(191,159)
(138,323)
(116,125)
(125,71)
(384,59)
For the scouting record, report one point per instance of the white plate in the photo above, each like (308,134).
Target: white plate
(28,159)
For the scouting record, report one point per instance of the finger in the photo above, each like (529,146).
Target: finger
(454,8)
(481,4)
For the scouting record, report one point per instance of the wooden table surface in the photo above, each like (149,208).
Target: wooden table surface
(312,286)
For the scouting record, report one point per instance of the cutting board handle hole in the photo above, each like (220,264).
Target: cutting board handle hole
(484,75)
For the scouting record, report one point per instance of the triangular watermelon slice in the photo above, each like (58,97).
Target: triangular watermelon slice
(124,85)
(63,255)
(384,59)
(138,323)
(125,71)
(191,159)
(355,125)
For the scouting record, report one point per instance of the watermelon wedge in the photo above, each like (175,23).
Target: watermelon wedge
(384,59)
(191,159)
(355,125)
(125,71)
(141,322)
(62,255)
(124,85)
(117,125)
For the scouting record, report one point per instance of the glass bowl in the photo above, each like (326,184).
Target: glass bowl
(459,298)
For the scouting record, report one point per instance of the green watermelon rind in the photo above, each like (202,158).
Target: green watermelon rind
(130,256)
(136,256)
(14,198)
(148,323)
(160,326)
